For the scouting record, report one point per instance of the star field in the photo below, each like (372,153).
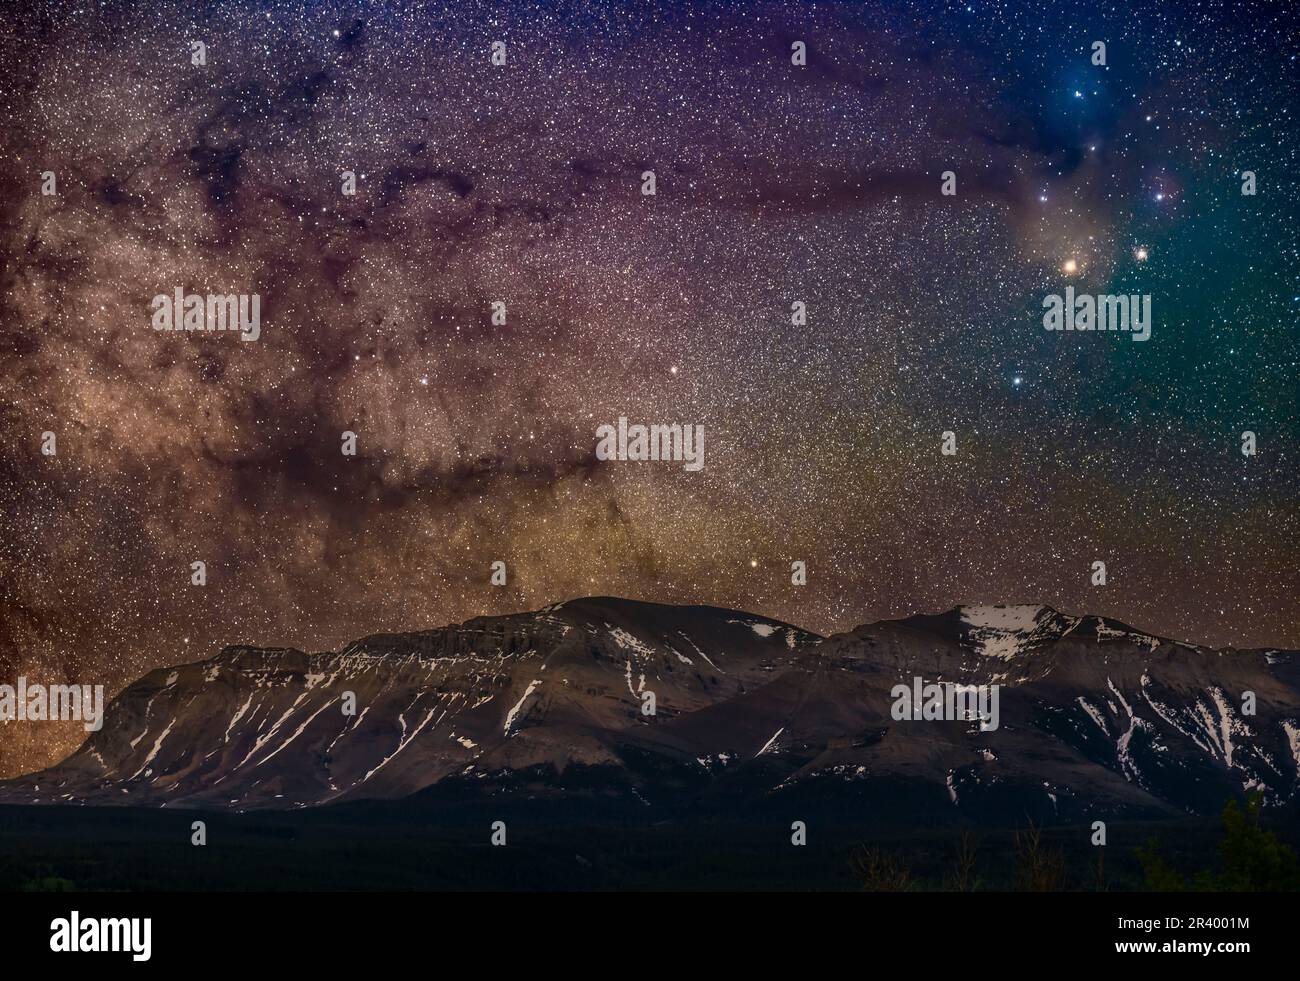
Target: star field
(521,183)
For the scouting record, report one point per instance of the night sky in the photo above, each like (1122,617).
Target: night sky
(522,183)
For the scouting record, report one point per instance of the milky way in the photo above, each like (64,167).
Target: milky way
(522,184)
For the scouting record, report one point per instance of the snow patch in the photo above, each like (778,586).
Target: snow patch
(768,745)
(510,716)
(1093,714)
(1005,631)
(1293,738)
(629,642)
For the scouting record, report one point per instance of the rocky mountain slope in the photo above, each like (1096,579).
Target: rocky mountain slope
(1094,719)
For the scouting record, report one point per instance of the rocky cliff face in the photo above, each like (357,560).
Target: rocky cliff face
(1094,718)
(391,714)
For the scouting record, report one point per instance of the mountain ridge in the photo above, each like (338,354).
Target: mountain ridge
(669,707)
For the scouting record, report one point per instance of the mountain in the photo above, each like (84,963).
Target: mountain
(1094,719)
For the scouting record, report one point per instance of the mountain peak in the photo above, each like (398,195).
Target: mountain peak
(1003,631)
(1006,616)
(1007,630)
